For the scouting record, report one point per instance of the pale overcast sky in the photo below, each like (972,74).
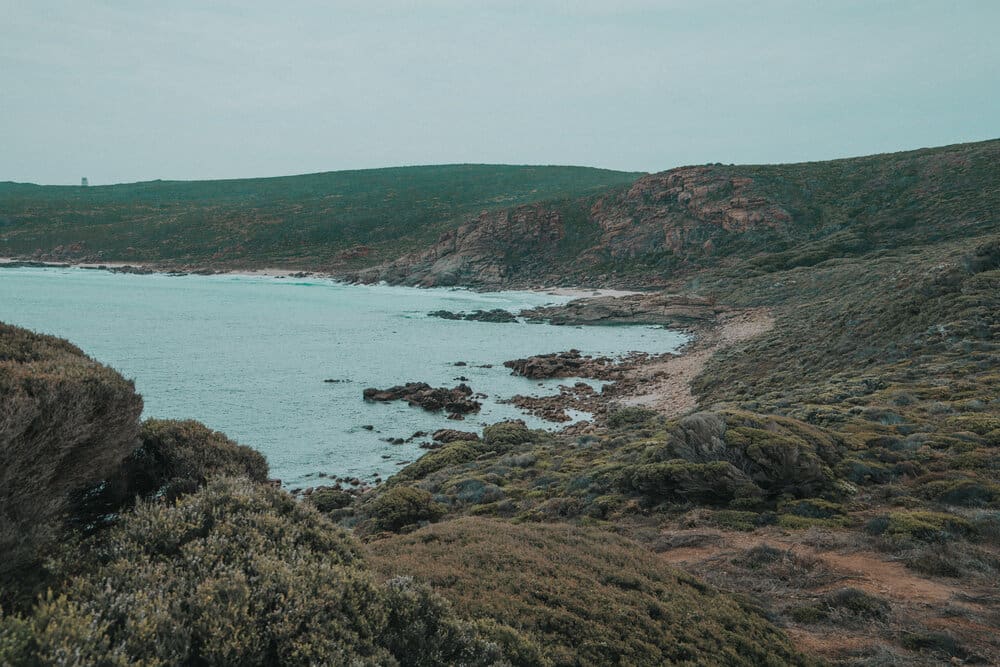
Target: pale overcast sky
(128,90)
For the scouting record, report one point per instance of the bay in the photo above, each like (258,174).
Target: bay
(248,355)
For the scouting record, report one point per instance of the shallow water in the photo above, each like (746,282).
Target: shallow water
(249,355)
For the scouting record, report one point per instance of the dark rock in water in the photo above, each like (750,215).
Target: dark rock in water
(497,315)
(433,399)
(557,365)
(368,427)
(460,363)
(461,378)
(445,315)
(447,435)
(456,417)
(333,380)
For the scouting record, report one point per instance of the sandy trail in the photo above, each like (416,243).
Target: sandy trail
(670,392)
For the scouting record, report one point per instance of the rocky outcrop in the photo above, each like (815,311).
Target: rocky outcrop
(679,217)
(672,310)
(560,365)
(477,252)
(456,402)
(446,435)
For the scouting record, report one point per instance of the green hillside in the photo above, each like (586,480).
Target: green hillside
(337,218)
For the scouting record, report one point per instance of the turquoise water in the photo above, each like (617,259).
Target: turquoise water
(248,355)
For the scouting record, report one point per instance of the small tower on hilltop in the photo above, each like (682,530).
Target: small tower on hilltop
(83,182)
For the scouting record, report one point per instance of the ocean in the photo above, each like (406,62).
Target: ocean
(248,355)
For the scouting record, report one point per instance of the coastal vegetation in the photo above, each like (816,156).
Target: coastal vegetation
(313,221)
(834,495)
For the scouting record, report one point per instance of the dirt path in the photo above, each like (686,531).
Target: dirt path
(670,392)
(952,607)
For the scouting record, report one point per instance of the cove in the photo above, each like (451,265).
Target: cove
(248,355)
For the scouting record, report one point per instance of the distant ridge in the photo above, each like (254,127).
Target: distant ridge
(515,226)
(314,220)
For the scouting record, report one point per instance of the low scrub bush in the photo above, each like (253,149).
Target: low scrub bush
(328,500)
(504,436)
(402,506)
(237,573)
(717,482)
(173,458)
(920,526)
(585,596)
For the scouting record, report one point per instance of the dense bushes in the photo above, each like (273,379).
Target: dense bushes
(65,422)
(172,458)
(584,596)
(236,573)
(402,506)
(721,457)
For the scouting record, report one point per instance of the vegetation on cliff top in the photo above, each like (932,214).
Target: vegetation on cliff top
(314,221)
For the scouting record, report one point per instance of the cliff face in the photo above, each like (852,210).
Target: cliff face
(668,224)
(678,212)
(478,251)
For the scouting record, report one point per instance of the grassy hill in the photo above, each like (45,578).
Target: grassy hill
(313,221)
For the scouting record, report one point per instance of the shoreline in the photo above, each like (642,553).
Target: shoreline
(278,272)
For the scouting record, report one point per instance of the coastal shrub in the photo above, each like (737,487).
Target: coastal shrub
(963,492)
(857,603)
(66,422)
(504,436)
(811,512)
(474,491)
(402,506)
(778,454)
(328,500)
(865,472)
(844,606)
(921,526)
(173,458)
(630,416)
(583,595)
(714,483)
(451,454)
(237,573)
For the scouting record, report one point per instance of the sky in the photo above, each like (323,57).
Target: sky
(132,90)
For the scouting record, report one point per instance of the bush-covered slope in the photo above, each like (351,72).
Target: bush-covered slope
(314,221)
(763,217)
(585,596)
